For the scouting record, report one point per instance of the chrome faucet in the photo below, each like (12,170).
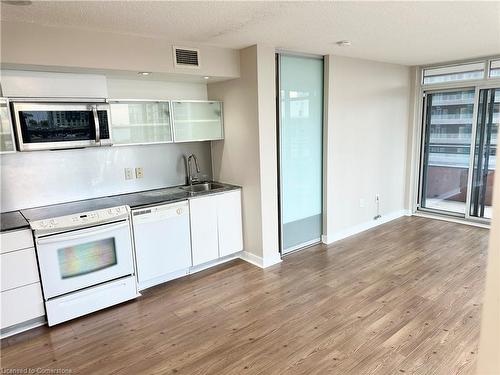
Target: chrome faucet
(191,178)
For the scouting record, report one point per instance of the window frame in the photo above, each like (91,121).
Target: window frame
(420,89)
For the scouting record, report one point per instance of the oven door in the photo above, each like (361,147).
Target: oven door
(78,259)
(42,126)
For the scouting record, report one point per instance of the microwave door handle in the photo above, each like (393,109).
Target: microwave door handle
(75,236)
(96,123)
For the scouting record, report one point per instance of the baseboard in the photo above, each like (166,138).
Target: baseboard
(216,262)
(259,261)
(364,226)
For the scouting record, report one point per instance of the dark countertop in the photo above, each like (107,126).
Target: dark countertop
(134,200)
(12,220)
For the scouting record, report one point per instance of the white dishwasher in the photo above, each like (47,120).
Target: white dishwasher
(162,243)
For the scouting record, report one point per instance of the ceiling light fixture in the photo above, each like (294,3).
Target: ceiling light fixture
(343,43)
(144,73)
(206,77)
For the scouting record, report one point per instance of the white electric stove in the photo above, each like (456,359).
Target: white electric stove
(86,262)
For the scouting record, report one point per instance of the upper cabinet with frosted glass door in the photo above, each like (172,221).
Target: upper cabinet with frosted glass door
(140,122)
(197,120)
(7,143)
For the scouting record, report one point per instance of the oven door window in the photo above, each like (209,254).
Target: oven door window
(56,126)
(74,260)
(86,258)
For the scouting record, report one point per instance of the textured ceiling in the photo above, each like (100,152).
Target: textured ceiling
(409,33)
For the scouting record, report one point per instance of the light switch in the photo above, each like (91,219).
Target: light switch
(129,174)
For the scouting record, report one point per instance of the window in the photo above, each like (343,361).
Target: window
(494,68)
(452,73)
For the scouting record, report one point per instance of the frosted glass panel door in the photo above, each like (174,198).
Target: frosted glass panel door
(300,138)
(197,121)
(139,122)
(6,133)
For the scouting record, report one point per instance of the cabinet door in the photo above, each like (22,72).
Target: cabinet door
(19,268)
(140,122)
(6,132)
(197,121)
(16,240)
(21,304)
(229,222)
(204,242)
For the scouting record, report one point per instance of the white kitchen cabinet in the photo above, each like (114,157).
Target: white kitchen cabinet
(19,268)
(216,226)
(204,237)
(16,240)
(21,292)
(197,121)
(229,224)
(140,122)
(21,305)
(7,143)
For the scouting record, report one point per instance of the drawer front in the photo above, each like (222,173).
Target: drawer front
(19,268)
(76,304)
(15,240)
(21,304)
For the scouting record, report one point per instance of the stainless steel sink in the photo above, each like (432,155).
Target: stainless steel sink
(205,186)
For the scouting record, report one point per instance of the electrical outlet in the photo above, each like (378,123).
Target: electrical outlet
(139,172)
(128,174)
(362,202)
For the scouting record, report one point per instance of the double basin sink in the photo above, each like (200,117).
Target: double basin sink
(203,187)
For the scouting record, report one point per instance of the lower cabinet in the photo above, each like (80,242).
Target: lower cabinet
(229,225)
(216,226)
(204,239)
(21,305)
(21,292)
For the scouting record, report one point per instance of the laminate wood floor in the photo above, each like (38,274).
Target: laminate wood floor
(404,297)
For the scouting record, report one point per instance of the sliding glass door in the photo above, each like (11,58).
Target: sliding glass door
(300,130)
(448,137)
(485,151)
(459,150)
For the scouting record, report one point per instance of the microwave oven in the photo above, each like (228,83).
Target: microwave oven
(50,125)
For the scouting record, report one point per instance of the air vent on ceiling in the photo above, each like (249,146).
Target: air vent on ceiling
(186,57)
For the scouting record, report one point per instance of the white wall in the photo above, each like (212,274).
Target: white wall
(268,155)
(366,143)
(247,155)
(26,44)
(147,89)
(236,158)
(489,346)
